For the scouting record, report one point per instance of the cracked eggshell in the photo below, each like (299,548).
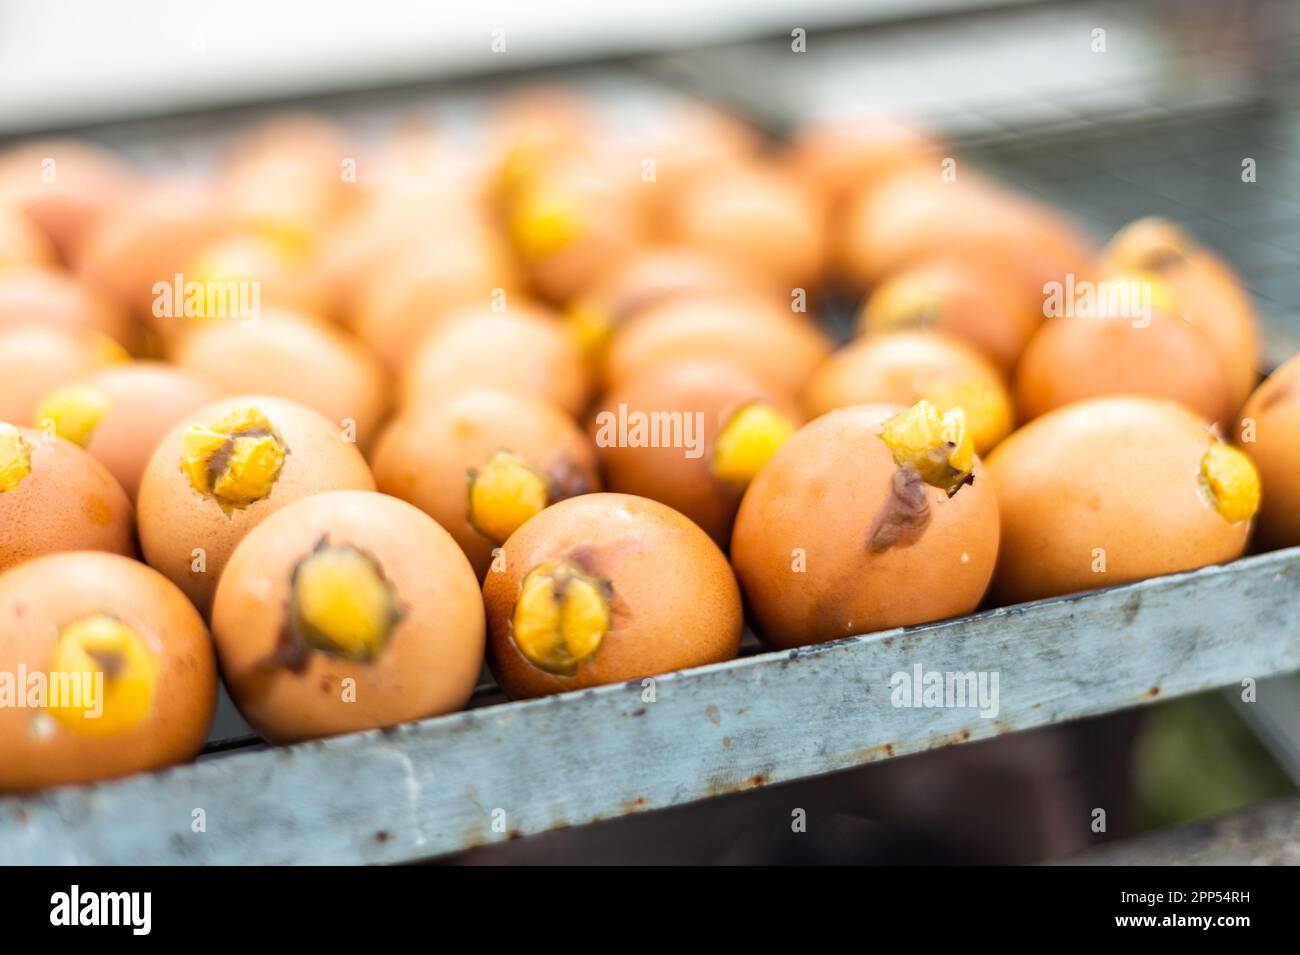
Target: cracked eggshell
(902,367)
(42,596)
(683,477)
(430,661)
(803,541)
(674,599)
(426,454)
(175,519)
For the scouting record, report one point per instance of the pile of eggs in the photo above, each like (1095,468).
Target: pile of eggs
(335,422)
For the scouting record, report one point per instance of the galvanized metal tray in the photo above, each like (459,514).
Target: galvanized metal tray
(504,771)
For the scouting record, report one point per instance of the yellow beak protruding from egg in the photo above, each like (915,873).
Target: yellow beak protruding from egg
(1149,245)
(236,461)
(987,409)
(561,616)
(15,457)
(592,328)
(520,166)
(106,675)
(747,442)
(898,305)
(75,412)
(108,351)
(343,604)
(1230,481)
(939,448)
(543,224)
(504,494)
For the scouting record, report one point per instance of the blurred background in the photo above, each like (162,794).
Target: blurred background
(1110,111)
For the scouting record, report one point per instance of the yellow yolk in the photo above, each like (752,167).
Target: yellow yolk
(236,461)
(938,447)
(748,441)
(504,494)
(1230,481)
(75,411)
(342,603)
(103,678)
(15,457)
(561,617)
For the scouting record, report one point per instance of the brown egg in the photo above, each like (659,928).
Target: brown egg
(1202,290)
(1109,349)
(120,413)
(422,160)
(482,462)
(531,128)
(902,368)
(349,256)
(521,349)
(659,273)
(286,178)
(56,497)
(231,464)
(382,253)
(347,611)
(692,435)
(574,222)
(63,186)
(408,296)
(687,142)
(870,517)
(1270,433)
(36,359)
(22,244)
(915,216)
(955,297)
(142,242)
(836,157)
(757,218)
(605,588)
(778,347)
(650,277)
(1113,490)
(51,298)
(292,356)
(283,274)
(128,670)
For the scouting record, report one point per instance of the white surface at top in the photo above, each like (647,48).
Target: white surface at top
(64,62)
